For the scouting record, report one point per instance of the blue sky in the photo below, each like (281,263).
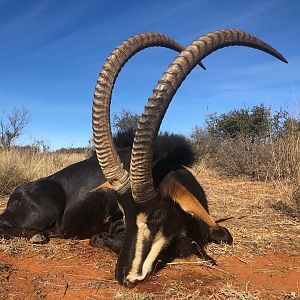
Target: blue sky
(52,51)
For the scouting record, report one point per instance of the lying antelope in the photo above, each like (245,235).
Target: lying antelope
(68,203)
(156,213)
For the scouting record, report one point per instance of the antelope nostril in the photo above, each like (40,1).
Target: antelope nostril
(129,284)
(125,282)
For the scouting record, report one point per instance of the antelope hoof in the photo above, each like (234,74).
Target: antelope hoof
(38,239)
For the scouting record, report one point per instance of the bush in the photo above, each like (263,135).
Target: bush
(277,159)
(258,122)
(125,120)
(252,142)
(292,206)
(204,143)
(257,144)
(240,156)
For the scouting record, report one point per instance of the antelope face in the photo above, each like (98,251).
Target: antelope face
(150,227)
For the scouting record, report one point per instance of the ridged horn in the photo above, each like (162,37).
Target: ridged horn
(149,123)
(106,152)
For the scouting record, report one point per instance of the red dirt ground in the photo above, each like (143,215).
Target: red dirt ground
(263,263)
(84,272)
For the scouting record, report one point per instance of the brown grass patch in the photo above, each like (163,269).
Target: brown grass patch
(255,225)
(20,166)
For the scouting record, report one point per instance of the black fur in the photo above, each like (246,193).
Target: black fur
(177,148)
(62,204)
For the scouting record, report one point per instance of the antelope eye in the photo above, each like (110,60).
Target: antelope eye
(157,216)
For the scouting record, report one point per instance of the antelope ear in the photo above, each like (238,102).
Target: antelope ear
(188,202)
(106,185)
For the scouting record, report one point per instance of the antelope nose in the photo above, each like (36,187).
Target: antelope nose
(125,282)
(129,284)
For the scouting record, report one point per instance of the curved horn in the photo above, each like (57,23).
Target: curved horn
(106,152)
(149,123)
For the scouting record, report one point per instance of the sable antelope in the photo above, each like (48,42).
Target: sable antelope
(155,215)
(65,203)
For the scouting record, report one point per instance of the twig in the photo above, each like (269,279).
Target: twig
(280,269)
(66,288)
(187,263)
(224,219)
(207,264)
(90,277)
(241,260)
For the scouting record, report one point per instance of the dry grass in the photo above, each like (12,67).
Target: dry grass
(229,292)
(290,204)
(21,246)
(256,226)
(286,157)
(286,160)
(277,160)
(175,290)
(19,166)
(121,295)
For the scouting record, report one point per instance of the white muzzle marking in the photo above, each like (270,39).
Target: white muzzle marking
(158,244)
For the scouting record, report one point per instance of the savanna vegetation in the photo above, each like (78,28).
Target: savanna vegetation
(252,142)
(256,143)
(249,166)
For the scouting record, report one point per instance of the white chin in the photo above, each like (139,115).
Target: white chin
(134,278)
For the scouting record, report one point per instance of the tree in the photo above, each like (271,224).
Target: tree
(12,127)
(124,125)
(125,120)
(291,125)
(228,124)
(255,123)
(40,146)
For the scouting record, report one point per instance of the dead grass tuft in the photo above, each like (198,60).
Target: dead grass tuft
(21,246)
(96,284)
(229,292)
(177,290)
(290,296)
(125,295)
(291,204)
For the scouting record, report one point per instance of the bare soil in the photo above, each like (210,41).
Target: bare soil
(263,263)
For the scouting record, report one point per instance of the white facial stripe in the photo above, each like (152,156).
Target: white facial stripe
(158,244)
(142,234)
